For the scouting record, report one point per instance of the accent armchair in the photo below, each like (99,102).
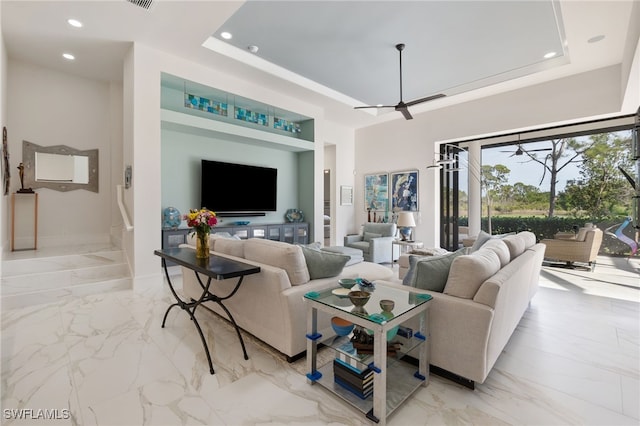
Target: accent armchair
(580,247)
(376,242)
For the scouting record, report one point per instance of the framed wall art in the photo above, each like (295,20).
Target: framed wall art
(404,191)
(376,192)
(346,195)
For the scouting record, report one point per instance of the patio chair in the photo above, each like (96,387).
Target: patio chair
(569,247)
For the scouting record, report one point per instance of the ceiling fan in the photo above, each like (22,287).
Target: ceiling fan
(521,151)
(402,106)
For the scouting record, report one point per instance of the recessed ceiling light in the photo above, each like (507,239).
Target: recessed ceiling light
(226,35)
(550,55)
(68,56)
(596,39)
(74,23)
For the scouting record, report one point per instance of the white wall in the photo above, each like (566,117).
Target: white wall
(341,164)
(52,108)
(409,145)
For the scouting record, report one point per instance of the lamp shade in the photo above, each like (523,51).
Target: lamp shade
(405,219)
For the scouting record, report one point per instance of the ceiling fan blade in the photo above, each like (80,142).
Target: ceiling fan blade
(541,149)
(403,109)
(427,99)
(374,106)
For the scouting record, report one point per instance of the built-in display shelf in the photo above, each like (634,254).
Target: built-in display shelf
(181,122)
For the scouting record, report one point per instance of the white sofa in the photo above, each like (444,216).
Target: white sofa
(472,319)
(269,305)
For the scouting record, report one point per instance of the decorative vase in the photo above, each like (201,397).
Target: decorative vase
(202,245)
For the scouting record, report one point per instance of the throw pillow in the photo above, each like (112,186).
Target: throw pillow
(323,264)
(431,272)
(482,238)
(409,278)
(500,248)
(468,272)
(516,245)
(369,235)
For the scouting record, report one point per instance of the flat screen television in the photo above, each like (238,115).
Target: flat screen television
(238,188)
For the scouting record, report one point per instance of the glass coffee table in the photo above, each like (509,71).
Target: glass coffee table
(393,380)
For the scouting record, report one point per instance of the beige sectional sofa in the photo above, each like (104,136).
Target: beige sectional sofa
(269,305)
(484,297)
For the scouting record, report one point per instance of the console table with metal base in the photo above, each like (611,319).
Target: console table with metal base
(214,268)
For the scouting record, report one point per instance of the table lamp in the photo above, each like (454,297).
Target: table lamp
(405,223)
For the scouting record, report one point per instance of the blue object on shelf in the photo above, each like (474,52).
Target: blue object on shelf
(171,218)
(242,222)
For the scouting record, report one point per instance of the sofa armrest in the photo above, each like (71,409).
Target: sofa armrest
(459,330)
(352,238)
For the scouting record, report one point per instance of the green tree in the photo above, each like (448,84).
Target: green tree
(492,179)
(563,152)
(602,189)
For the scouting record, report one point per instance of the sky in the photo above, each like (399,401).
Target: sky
(525,170)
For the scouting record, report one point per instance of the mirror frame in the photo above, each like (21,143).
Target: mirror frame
(29,150)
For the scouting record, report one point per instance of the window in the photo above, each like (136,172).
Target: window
(549,180)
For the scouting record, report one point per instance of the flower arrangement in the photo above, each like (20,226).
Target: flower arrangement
(201,220)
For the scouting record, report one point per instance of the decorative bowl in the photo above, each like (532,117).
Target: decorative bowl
(341,326)
(347,282)
(387,305)
(242,222)
(359,298)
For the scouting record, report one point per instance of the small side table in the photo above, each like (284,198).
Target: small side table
(405,247)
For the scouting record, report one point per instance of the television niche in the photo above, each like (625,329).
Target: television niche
(231,189)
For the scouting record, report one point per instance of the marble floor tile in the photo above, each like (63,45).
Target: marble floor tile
(104,358)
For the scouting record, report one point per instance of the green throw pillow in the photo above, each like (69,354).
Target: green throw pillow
(410,277)
(432,271)
(323,264)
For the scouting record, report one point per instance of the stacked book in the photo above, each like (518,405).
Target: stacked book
(353,375)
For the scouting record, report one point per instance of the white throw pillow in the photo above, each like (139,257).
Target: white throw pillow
(515,244)
(500,248)
(468,272)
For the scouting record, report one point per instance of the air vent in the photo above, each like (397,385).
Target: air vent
(145,4)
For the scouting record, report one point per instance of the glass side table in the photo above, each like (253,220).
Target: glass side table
(405,247)
(393,380)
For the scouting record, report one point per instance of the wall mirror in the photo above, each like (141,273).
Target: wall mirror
(59,167)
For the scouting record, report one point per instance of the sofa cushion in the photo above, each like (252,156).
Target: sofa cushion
(431,272)
(323,264)
(468,272)
(229,246)
(500,248)
(369,235)
(515,243)
(482,238)
(529,238)
(429,251)
(279,254)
